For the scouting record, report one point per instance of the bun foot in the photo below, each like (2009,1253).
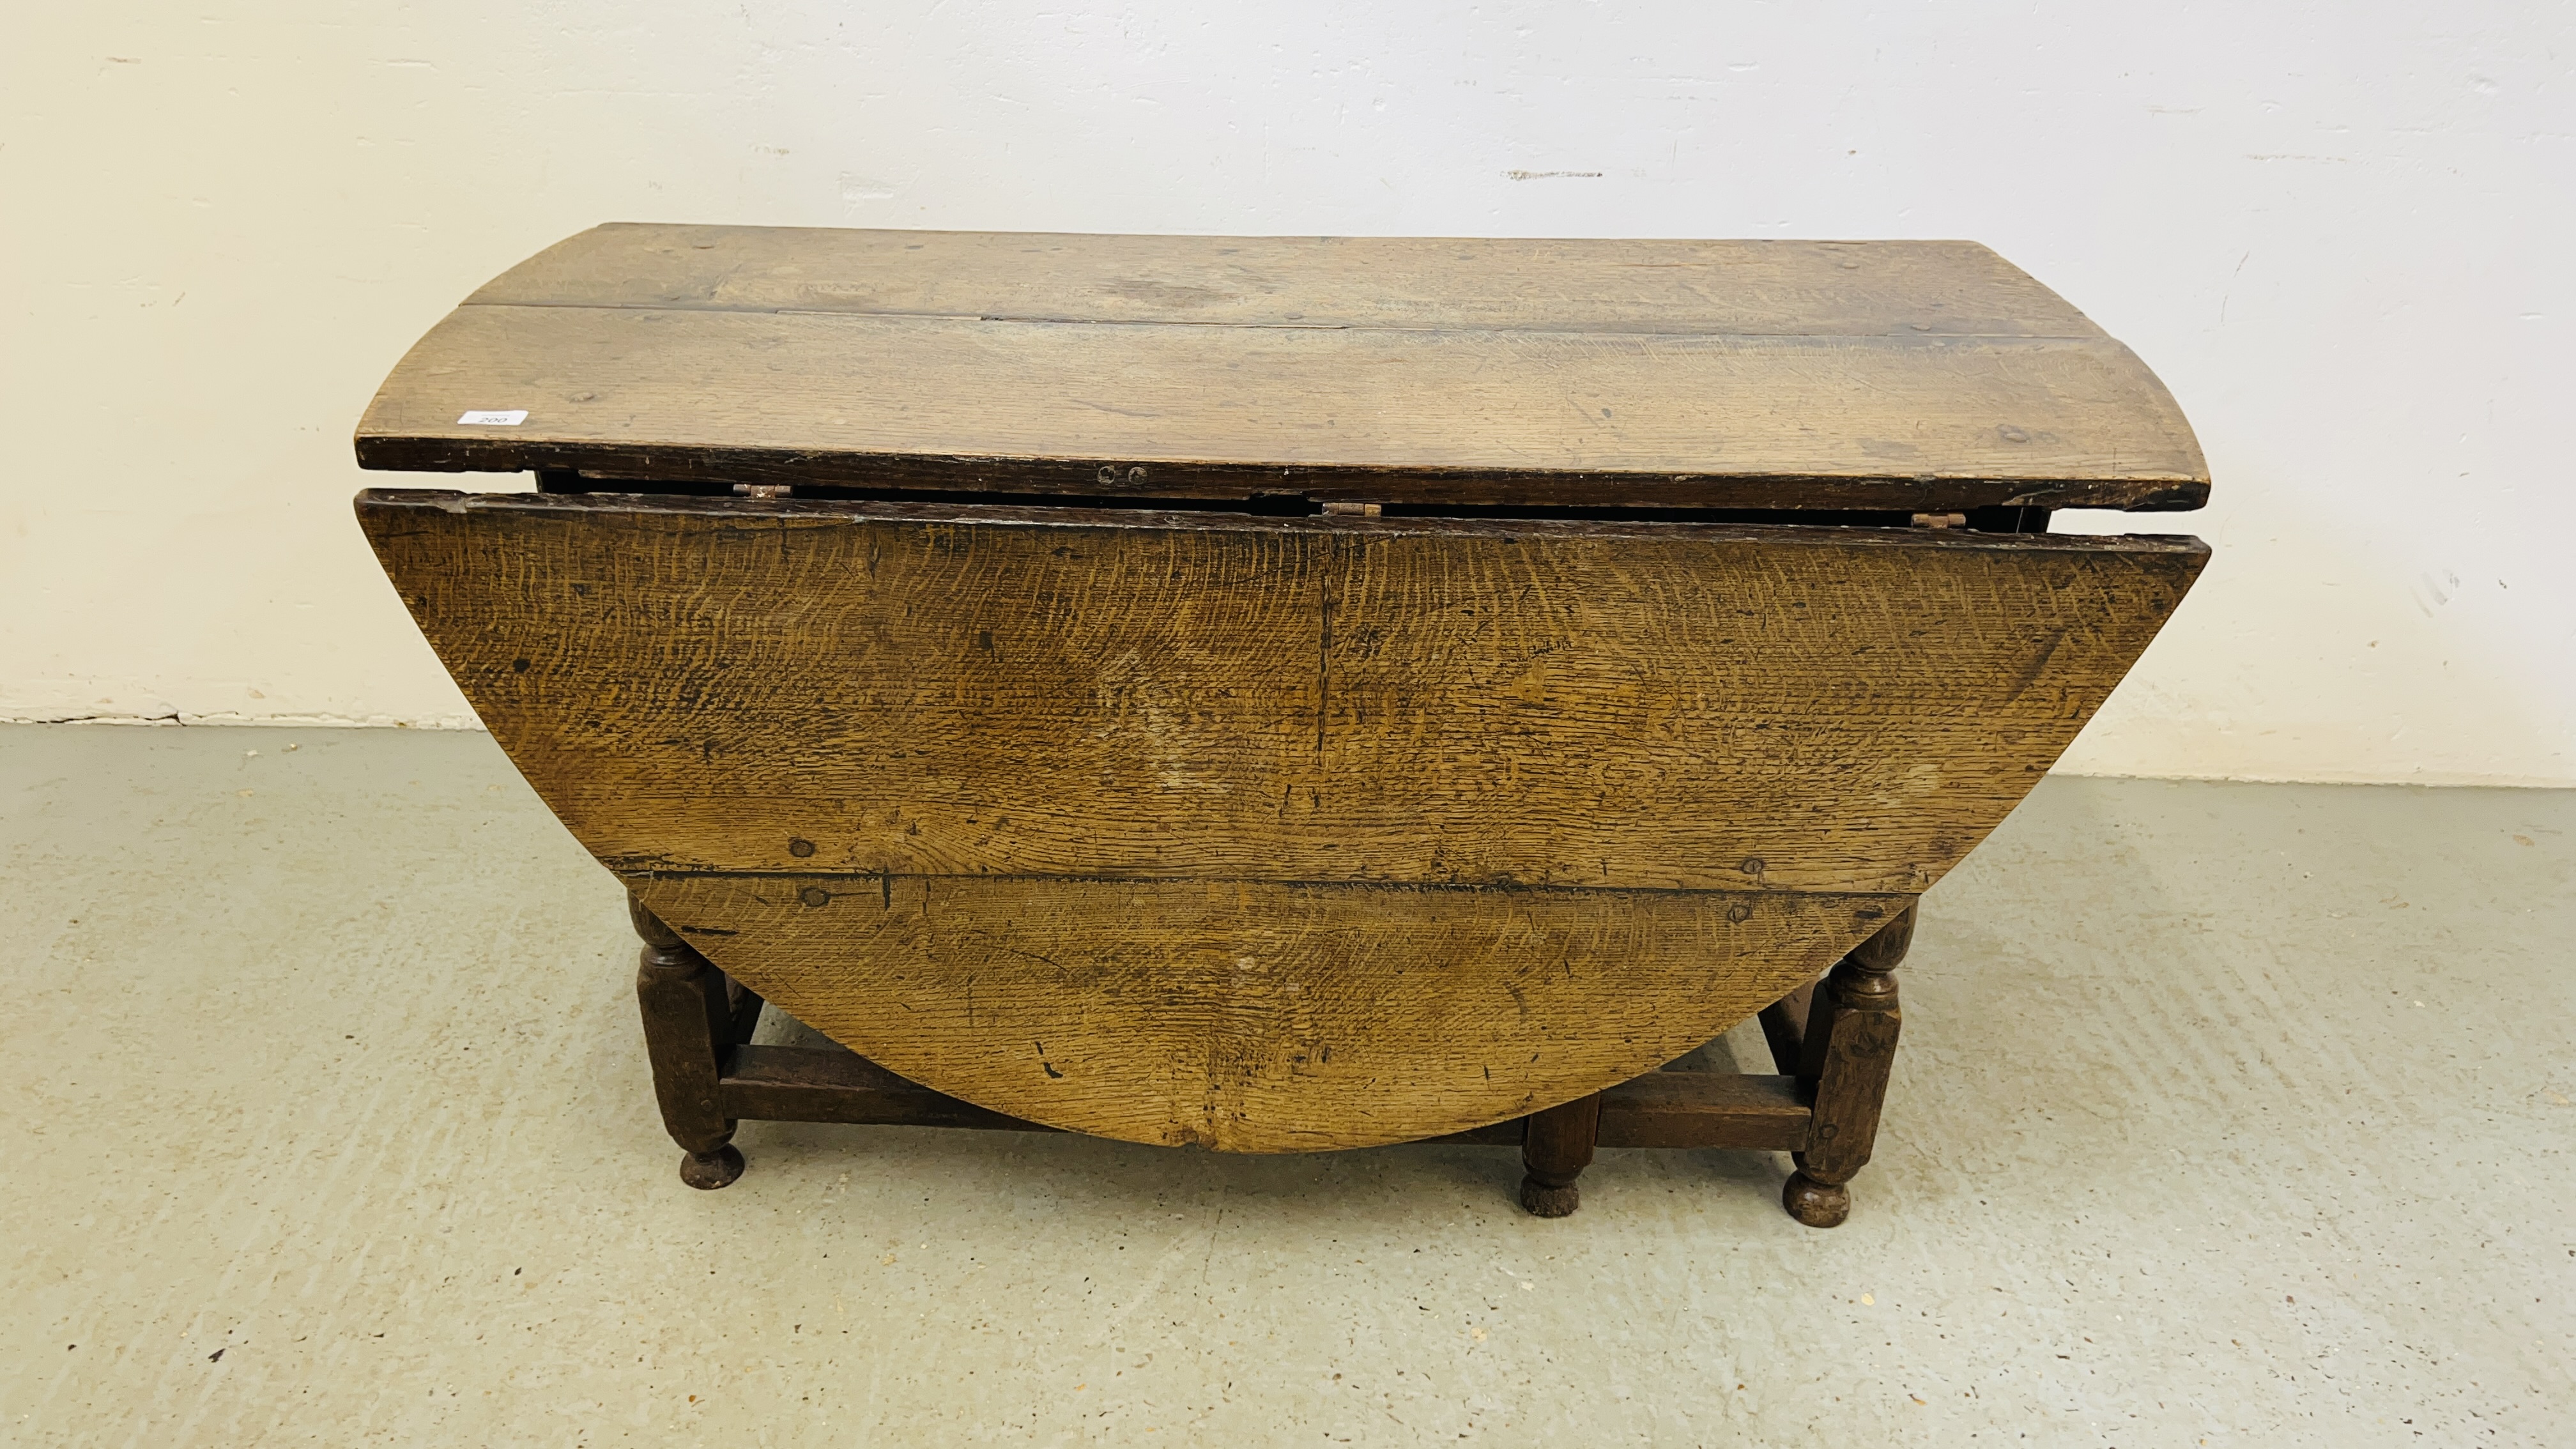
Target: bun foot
(1543,1201)
(707,1171)
(1817,1204)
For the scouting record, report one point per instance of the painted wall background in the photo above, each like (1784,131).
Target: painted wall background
(2340,233)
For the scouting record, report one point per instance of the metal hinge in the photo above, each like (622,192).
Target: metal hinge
(764,490)
(1355,510)
(1940,520)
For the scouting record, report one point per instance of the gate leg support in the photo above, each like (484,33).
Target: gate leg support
(1850,1045)
(688,1025)
(1555,1148)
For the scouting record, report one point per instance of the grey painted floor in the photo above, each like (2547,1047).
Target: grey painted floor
(2235,1115)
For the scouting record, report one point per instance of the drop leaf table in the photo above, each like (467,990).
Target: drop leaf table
(1279,694)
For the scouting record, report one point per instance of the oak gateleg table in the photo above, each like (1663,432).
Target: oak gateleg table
(1279,694)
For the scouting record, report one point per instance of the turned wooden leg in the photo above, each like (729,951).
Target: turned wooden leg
(1555,1148)
(1844,1056)
(688,1025)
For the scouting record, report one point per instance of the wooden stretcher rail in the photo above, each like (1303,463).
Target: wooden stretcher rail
(1660,1109)
(821,1084)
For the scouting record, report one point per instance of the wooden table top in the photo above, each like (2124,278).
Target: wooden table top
(1922,375)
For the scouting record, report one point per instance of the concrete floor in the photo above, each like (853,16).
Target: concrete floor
(2236,1115)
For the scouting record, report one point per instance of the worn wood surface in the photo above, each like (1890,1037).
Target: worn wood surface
(1258,1016)
(1265,834)
(1740,286)
(749,685)
(1922,376)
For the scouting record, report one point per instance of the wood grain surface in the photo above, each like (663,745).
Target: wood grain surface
(1117,820)
(1909,376)
(1689,288)
(1255,1016)
(922,690)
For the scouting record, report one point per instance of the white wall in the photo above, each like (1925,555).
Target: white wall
(2341,233)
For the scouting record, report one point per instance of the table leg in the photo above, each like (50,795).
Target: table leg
(1555,1148)
(1849,1045)
(1784,1027)
(688,1024)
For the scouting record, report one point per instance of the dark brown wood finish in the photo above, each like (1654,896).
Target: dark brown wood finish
(1849,1046)
(817,1084)
(688,1028)
(1705,1109)
(1556,1150)
(1784,1027)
